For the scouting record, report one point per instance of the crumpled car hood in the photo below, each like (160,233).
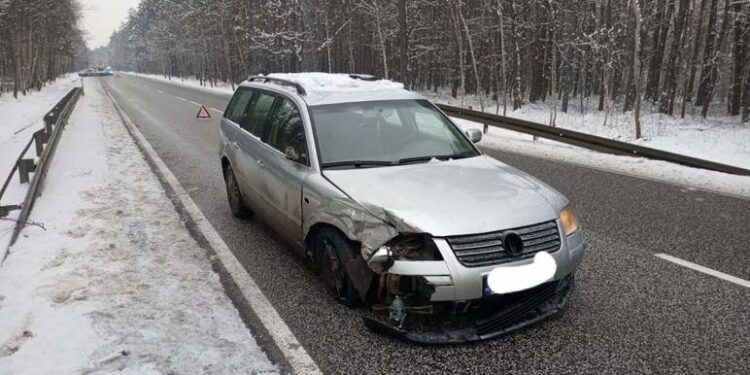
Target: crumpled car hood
(447,198)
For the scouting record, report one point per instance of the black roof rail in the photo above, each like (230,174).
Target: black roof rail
(266,79)
(365,77)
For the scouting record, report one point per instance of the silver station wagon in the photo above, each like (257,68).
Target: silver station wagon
(396,208)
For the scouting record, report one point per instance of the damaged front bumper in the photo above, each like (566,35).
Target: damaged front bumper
(477,320)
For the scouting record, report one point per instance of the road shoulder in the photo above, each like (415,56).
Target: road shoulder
(114,281)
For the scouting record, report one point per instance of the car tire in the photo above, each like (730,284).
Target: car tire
(329,247)
(236,203)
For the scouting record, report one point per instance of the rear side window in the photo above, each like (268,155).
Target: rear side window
(256,114)
(288,132)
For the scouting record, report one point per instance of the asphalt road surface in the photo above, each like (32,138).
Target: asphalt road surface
(630,313)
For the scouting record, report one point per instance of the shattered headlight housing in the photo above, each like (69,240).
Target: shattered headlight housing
(408,247)
(413,247)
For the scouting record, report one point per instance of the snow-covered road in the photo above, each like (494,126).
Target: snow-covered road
(115,284)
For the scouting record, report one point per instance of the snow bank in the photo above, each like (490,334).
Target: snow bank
(719,138)
(115,283)
(690,178)
(19,119)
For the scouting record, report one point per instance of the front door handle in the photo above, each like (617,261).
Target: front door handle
(261,164)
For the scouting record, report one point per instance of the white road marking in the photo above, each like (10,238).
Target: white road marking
(706,270)
(299,360)
(196,103)
(216,110)
(183,99)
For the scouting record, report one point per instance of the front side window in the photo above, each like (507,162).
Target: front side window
(256,114)
(288,132)
(382,133)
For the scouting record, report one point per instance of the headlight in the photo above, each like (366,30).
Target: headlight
(569,221)
(413,247)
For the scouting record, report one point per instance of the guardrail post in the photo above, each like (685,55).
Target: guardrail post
(40,138)
(25,167)
(48,121)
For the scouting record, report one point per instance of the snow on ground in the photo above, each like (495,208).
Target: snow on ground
(19,119)
(722,139)
(115,284)
(220,87)
(719,138)
(690,178)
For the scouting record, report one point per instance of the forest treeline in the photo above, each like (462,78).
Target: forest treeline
(676,54)
(39,41)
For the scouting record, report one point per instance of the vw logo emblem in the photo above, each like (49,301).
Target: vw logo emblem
(513,244)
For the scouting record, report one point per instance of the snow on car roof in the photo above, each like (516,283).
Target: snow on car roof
(331,88)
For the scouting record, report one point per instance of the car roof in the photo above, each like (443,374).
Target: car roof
(333,88)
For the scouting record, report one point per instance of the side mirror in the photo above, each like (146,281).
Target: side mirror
(474,135)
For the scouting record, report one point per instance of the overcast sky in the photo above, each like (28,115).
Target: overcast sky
(102,17)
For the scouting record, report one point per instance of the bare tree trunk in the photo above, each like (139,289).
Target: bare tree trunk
(637,67)
(708,53)
(503,62)
(667,94)
(517,99)
(740,40)
(460,45)
(473,60)
(687,90)
(710,81)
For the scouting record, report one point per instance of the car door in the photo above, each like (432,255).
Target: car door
(286,165)
(231,131)
(247,145)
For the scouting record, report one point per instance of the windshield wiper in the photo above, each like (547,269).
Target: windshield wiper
(422,159)
(357,163)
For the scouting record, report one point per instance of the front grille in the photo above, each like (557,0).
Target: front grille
(487,249)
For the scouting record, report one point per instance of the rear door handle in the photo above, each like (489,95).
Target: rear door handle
(261,164)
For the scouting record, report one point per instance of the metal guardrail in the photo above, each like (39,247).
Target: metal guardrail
(46,141)
(587,141)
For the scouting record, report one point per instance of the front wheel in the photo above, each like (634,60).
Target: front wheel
(329,245)
(236,204)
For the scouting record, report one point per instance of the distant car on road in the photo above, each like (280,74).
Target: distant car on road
(88,73)
(97,72)
(397,208)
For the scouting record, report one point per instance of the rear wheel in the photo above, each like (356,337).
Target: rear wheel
(236,204)
(329,246)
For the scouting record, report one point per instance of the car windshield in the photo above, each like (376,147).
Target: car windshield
(383,133)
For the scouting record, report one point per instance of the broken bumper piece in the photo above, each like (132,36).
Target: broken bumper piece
(482,319)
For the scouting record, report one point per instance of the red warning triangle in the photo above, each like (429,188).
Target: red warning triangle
(203,113)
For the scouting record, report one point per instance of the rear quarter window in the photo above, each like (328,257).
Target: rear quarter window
(237,106)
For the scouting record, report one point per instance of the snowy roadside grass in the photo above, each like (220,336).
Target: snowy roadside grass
(719,138)
(115,284)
